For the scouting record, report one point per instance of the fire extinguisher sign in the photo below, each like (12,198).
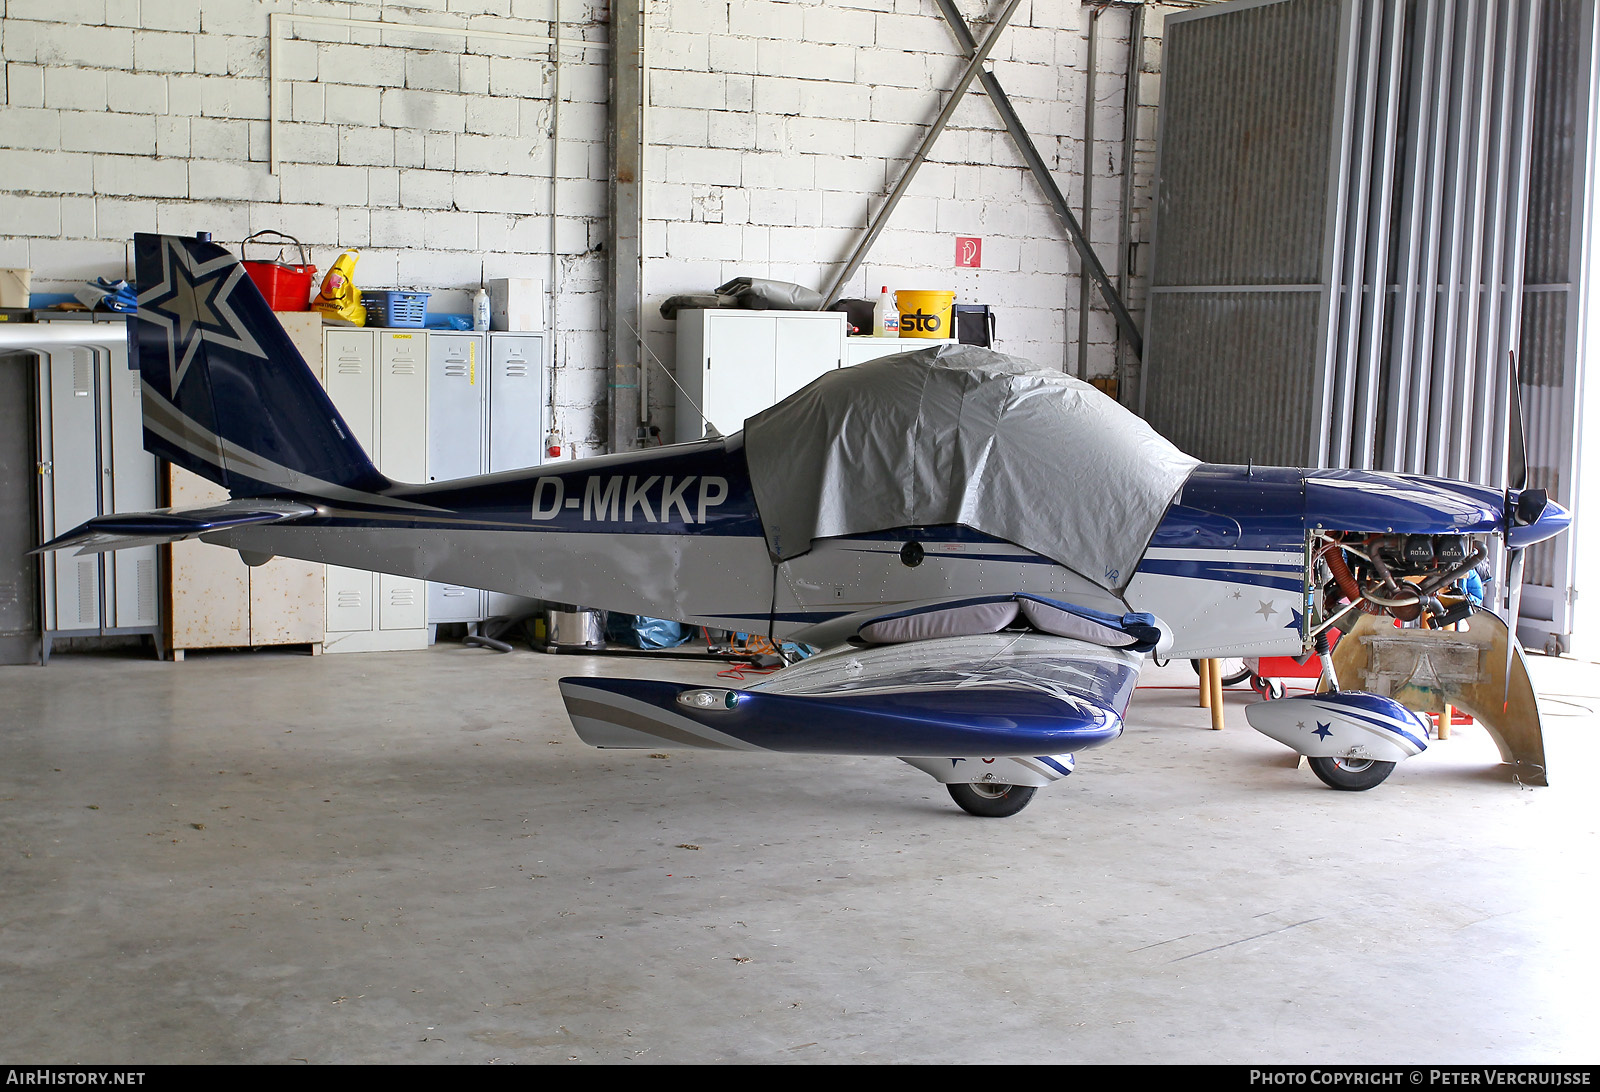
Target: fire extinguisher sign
(969,253)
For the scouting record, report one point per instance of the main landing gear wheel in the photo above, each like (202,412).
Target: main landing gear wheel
(1351,774)
(991,801)
(1234,671)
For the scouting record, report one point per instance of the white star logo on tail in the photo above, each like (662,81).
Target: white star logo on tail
(192,304)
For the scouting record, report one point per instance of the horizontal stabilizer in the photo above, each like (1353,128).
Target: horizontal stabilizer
(120,529)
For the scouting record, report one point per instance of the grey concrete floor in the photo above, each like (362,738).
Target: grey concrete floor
(410,858)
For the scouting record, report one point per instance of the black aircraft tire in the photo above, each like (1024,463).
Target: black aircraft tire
(1351,774)
(991,801)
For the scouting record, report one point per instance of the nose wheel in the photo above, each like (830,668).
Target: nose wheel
(990,800)
(1351,774)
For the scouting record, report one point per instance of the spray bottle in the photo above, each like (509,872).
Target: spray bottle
(885,315)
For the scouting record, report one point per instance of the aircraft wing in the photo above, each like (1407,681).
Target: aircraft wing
(118,530)
(984,695)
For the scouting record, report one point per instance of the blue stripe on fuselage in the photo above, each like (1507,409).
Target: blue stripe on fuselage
(1288,578)
(699,489)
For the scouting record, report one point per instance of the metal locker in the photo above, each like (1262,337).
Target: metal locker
(456,387)
(378,381)
(92,462)
(351,362)
(458,383)
(517,423)
(403,405)
(19,572)
(133,591)
(400,602)
(349,600)
(70,453)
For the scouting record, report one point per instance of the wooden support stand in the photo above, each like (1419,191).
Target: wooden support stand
(1211,691)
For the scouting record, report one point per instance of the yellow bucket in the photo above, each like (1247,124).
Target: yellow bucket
(925,314)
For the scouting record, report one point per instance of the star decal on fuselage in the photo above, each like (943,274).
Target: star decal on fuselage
(1267,610)
(191,304)
(1323,730)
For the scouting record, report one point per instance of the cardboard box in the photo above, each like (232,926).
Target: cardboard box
(15,285)
(516,303)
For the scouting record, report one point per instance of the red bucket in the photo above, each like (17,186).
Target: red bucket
(287,287)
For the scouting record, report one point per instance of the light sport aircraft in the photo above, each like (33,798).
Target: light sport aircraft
(990,548)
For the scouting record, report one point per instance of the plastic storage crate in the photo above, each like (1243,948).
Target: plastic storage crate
(386,307)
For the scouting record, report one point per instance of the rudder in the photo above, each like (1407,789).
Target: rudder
(226,393)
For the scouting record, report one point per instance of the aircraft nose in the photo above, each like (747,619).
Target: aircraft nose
(1534,518)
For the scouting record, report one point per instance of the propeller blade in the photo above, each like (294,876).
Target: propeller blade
(1513,607)
(1516,435)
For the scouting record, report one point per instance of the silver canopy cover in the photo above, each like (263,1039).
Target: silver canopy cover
(960,435)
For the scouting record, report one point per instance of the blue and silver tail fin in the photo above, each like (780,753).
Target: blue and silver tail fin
(226,394)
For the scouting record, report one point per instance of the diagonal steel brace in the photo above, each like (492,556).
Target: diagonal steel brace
(976,57)
(1041,174)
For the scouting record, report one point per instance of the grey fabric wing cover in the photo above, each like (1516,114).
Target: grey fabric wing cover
(961,435)
(761,295)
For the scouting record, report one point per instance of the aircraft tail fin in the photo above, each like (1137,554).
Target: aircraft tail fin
(226,394)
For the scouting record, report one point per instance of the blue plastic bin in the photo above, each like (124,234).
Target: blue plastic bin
(386,307)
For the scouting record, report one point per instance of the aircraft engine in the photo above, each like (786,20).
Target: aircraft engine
(1434,578)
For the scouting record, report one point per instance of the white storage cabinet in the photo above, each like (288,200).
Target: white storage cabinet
(734,364)
(859,350)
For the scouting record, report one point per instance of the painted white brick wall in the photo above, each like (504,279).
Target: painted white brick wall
(774,127)
(117,116)
(835,95)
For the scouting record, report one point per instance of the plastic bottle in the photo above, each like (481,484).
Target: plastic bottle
(885,315)
(480,310)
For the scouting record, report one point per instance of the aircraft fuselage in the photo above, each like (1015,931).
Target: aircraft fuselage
(676,533)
